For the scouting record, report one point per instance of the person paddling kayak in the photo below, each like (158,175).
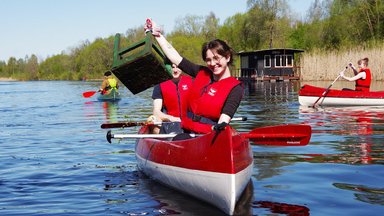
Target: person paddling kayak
(108,83)
(362,77)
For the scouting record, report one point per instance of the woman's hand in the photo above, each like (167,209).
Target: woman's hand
(219,127)
(152,27)
(151,119)
(351,66)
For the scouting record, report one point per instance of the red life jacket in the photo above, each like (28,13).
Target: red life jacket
(206,100)
(364,84)
(175,97)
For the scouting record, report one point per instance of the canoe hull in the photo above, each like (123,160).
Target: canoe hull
(215,172)
(113,95)
(308,95)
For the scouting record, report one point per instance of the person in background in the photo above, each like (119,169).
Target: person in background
(170,101)
(108,83)
(362,76)
(214,95)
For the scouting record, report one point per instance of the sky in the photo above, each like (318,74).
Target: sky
(49,27)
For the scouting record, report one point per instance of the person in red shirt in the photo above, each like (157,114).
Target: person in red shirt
(170,101)
(362,77)
(214,95)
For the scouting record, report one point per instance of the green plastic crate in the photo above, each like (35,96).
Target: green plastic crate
(141,65)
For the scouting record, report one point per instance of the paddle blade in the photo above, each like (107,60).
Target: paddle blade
(281,135)
(89,94)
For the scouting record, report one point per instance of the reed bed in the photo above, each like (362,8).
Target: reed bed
(326,65)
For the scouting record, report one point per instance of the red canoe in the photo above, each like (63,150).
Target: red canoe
(308,95)
(212,169)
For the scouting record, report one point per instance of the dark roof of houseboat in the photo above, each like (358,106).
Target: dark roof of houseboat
(280,50)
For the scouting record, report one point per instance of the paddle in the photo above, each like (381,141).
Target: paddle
(133,124)
(89,94)
(327,90)
(127,124)
(141,136)
(280,135)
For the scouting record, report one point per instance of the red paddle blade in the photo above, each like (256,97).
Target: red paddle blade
(281,135)
(88,94)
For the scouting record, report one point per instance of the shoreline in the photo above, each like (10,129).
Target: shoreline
(6,79)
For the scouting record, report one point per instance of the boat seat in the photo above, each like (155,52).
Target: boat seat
(182,136)
(171,128)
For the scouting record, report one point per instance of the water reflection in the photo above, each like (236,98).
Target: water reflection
(170,200)
(363,193)
(269,103)
(271,92)
(269,164)
(283,208)
(110,111)
(122,186)
(356,125)
(93,109)
(358,120)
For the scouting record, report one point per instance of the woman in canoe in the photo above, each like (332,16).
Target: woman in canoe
(108,83)
(214,95)
(170,100)
(362,76)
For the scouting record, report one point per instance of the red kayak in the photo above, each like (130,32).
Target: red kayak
(213,167)
(308,95)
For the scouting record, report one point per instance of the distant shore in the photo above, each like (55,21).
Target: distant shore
(4,79)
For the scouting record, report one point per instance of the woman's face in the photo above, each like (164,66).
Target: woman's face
(216,62)
(360,65)
(176,72)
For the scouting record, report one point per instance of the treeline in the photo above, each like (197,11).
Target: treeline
(330,25)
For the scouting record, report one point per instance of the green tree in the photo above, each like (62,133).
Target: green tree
(235,30)
(12,67)
(55,68)
(211,27)
(188,37)
(268,22)
(31,68)
(3,68)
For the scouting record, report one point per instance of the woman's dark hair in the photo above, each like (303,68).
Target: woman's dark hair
(220,47)
(365,60)
(108,73)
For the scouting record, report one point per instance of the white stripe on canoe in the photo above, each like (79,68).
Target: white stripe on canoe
(337,101)
(220,189)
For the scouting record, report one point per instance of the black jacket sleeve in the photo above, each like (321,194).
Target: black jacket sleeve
(190,68)
(233,101)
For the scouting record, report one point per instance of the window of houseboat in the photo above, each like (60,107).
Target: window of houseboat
(267,61)
(283,61)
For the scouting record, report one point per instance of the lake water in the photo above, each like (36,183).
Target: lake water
(55,159)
